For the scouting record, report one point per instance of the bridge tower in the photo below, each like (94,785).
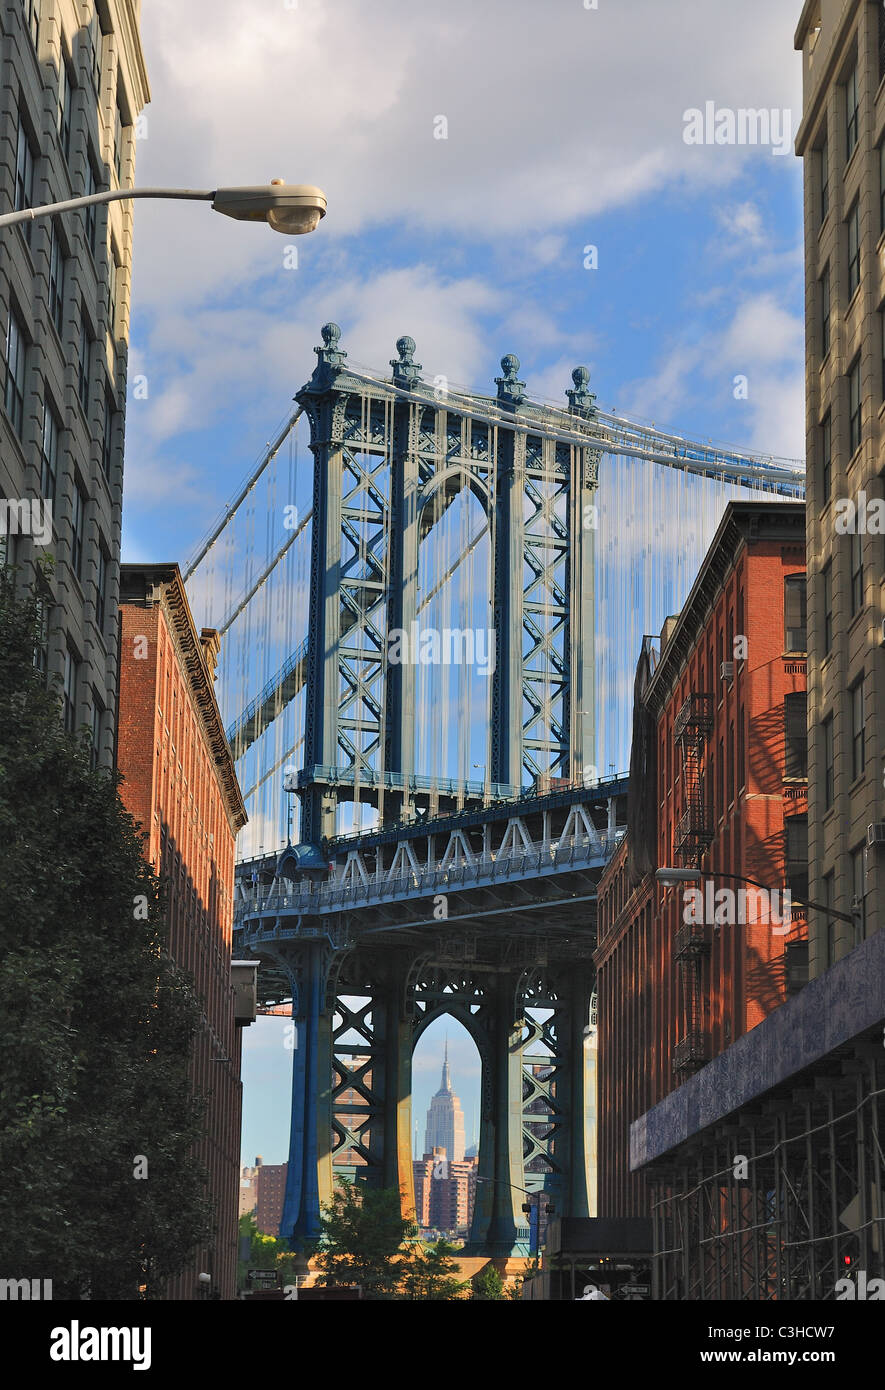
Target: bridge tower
(390,458)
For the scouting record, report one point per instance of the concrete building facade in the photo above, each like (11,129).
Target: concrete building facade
(180,786)
(842,142)
(72,86)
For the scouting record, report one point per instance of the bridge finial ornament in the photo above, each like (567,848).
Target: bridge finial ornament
(406,371)
(330,358)
(581,400)
(510,389)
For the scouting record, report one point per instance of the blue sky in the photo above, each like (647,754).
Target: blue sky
(565,129)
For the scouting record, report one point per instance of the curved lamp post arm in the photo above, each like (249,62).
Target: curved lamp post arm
(116,195)
(671,878)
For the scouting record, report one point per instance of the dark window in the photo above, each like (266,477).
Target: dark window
(851,114)
(78,512)
(91,187)
(97,728)
(118,143)
(41,650)
(794,613)
(110,417)
(858,905)
(57,269)
(49,453)
(856,573)
(101,581)
(741,773)
(730,772)
(825,312)
(857,730)
(720,781)
(827,575)
(32,16)
(113,268)
(24,173)
(829,766)
(855,410)
(16,367)
(829,900)
(70,681)
(826,454)
(65,104)
(854,248)
(94,40)
(796,735)
(84,364)
(796,853)
(824,180)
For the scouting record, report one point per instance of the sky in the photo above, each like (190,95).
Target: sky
(472,154)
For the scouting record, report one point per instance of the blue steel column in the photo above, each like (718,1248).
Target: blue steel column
(582,623)
(403,598)
(309,1175)
(508,585)
(498,1206)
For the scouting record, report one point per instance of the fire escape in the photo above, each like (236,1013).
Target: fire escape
(693,836)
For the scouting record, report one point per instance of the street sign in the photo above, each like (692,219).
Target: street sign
(267,1277)
(635,1288)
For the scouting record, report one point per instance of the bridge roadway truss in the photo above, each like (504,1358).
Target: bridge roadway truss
(489,916)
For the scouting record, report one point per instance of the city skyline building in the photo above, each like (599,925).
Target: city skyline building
(73,86)
(445,1118)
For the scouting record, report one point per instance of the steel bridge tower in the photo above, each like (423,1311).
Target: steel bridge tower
(390,458)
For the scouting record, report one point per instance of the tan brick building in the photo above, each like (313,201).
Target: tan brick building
(842,142)
(181,787)
(72,85)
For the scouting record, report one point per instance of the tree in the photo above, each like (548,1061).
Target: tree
(363,1235)
(101,1190)
(265,1252)
(429,1272)
(487,1285)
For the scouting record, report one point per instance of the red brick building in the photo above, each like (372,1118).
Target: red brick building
(271,1185)
(444,1203)
(179,784)
(718,782)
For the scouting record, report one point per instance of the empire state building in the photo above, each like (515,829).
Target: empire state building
(445,1119)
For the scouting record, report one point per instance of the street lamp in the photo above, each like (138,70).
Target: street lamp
(671,878)
(292,209)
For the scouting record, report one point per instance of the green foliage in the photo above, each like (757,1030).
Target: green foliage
(265,1252)
(487,1284)
(95,1021)
(429,1273)
(363,1235)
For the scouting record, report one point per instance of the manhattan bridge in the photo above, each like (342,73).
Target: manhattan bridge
(431,604)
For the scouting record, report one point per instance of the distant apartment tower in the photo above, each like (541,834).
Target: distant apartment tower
(73,85)
(842,142)
(179,784)
(445,1118)
(271,1190)
(718,782)
(445,1192)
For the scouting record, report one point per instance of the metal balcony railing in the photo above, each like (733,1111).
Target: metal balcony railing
(694,831)
(692,939)
(695,716)
(690,1052)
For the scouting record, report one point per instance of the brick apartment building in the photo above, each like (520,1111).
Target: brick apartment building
(179,784)
(270,1182)
(444,1195)
(718,782)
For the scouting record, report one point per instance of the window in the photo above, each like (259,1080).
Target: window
(856,573)
(70,681)
(49,453)
(730,772)
(825,312)
(741,774)
(794,613)
(101,580)
(16,366)
(91,187)
(41,650)
(824,180)
(829,766)
(78,511)
(796,854)
(32,17)
(118,142)
(65,103)
(858,906)
(110,416)
(24,172)
(93,36)
(851,114)
(857,729)
(796,735)
(829,900)
(113,269)
(854,248)
(83,364)
(826,457)
(57,268)
(855,412)
(720,782)
(827,576)
(97,728)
